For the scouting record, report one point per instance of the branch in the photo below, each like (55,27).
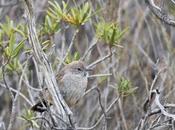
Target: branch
(161,107)
(43,65)
(16,91)
(69,49)
(92,45)
(101,117)
(99,75)
(100,60)
(159,13)
(10,4)
(102,108)
(4,78)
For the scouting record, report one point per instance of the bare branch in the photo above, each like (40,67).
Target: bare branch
(101,117)
(10,4)
(14,101)
(22,95)
(69,49)
(99,75)
(162,108)
(159,13)
(100,60)
(92,45)
(43,64)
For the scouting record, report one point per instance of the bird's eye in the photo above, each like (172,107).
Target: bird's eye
(79,69)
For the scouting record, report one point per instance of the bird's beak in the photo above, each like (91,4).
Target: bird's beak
(86,71)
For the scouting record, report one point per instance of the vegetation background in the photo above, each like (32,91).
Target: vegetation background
(136,51)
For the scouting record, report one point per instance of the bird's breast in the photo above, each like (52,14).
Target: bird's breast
(73,88)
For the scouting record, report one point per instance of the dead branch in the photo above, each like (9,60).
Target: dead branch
(43,64)
(158,12)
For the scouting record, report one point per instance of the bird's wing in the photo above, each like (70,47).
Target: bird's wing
(60,75)
(44,101)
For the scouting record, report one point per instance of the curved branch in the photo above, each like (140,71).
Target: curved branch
(159,13)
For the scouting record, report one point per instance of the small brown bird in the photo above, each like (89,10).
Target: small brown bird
(72,81)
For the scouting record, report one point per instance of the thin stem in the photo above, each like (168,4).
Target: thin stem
(99,75)
(101,117)
(99,60)
(69,49)
(92,45)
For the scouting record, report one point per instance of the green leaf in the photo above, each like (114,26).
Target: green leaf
(110,33)
(18,48)
(50,26)
(48,22)
(64,6)
(76,15)
(125,87)
(15,64)
(11,43)
(7,52)
(29,116)
(68,59)
(20,32)
(49,12)
(10,66)
(86,12)
(7,27)
(34,124)
(76,56)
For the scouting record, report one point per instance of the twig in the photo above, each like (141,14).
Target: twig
(42,118)
(157,111)
(102,108)
(98,75)
(22,95)
(159,13)
(122,114)
(99,99)
(100,60)
(69,49)
(162,124)
(150,61)
(149,99)
(101,117)
(92,45)
(89,90)
(9,4)
(173,1)
(141,123)
(173,125)
(156,77)
(161,107)
(14,103)
(29,86)
(154,122)
(4,79)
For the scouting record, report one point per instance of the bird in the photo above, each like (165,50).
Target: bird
(72,81)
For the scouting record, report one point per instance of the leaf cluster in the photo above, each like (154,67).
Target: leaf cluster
(50,26)
(29,116)
(125,87)
(9,43)
(75,15)
(74,57)
(110,33)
